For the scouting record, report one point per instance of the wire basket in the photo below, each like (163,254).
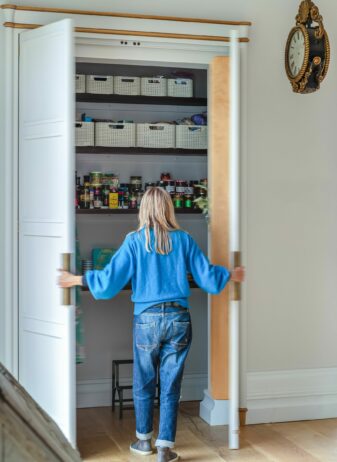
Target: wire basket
(100,84)
(126,85)
(180,88)
(80,83)
(115,134)
(153,86)
(191,136)
(84,133)
(156,135)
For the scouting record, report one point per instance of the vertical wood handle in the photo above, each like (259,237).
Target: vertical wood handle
(66,295)
(237,285)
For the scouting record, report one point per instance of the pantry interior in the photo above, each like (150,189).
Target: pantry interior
(107,325)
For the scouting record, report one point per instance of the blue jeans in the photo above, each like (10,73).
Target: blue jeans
(161,339)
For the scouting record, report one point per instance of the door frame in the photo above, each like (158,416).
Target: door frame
(89,39)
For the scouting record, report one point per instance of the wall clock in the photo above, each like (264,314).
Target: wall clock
(307,54)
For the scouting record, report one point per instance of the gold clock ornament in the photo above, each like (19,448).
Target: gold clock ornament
(307,55)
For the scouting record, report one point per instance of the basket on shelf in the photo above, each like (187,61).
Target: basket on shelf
(115,134)
(180,88)
(84,133)
(156,135)
(126,85)
(191,136)
(100,84)
(80,83)
(153,86)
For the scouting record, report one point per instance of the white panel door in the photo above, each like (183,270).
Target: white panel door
(234,240)
(46,219)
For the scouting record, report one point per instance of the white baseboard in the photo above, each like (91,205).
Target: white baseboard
(97,392)
(282,396)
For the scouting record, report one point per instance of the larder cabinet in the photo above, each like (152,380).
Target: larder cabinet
(46,155)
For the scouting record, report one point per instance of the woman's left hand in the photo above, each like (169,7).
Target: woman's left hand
(67,280)
(238,274)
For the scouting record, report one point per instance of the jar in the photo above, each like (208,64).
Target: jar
(96,178)
(139,196)
(149,185)
(181,187)
(178,201)
(188,201)
(136,182)
(113,198)
(190,188)
(170,186)
(161,184)
(86,195)
(91,196)
(105,196)
(98,197)
(133,201)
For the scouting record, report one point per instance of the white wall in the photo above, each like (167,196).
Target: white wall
(292,221)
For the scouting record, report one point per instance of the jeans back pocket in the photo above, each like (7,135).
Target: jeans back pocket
(182,334)
(145,336)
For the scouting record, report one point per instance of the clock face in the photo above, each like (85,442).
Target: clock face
(296,52)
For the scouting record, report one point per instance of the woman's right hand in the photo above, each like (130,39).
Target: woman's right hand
(238,274)
(67,280)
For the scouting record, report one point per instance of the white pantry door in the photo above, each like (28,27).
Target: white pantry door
(234,240)
(46,219)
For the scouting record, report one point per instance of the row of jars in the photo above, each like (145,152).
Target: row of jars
(106,192)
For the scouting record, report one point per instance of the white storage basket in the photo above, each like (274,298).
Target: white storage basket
(191,136)
(80,83)
(115,134)
(126,85)
(100,84)
(153,86)
(180,88)
(84,133)
(156,135)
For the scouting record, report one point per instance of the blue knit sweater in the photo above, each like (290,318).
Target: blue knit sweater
(156,278)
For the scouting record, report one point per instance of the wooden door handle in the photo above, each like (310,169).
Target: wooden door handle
(237,285)
(66,294)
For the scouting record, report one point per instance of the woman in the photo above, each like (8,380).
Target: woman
(157,258)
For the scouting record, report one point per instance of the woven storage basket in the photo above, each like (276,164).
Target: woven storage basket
(126,85)
(191,136)
(153,86)
(115,134)
(180,88)
(80,83)
(156,136)
(84,133)
(100,84)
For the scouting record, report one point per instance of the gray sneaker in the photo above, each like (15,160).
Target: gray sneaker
(142,447)
(166,455)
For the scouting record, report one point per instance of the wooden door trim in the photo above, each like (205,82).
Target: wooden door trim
(95,30)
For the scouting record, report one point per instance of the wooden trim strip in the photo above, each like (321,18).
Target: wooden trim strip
(125,15)
(212,38)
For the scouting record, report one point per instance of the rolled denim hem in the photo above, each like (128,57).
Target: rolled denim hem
(144,436)
(165,444)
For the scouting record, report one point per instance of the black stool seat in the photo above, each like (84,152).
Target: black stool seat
(119,389)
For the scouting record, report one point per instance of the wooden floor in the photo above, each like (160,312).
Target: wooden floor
(102,437)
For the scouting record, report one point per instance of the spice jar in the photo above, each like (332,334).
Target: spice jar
(132,201)
(188,203)
(181,187)
(135,182)
(149,185)
(96,178)
(178,201)
(98,197)
(170,186)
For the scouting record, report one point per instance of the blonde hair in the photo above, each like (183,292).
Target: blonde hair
(156,211)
